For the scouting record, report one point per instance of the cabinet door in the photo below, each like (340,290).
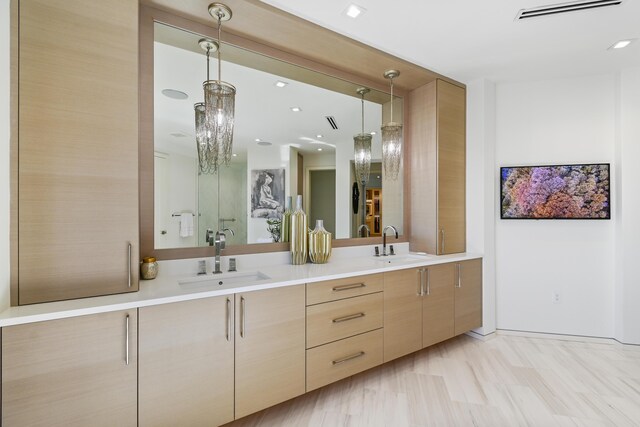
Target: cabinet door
(71,372)
(78,149)
(270,347)
(186,363)
(468,298)
(451,107)
(438,304)
(402,313)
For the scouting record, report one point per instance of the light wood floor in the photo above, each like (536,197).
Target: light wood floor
(505,381)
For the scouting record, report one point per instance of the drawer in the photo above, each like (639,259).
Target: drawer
(333,290)
(332,362)
(336,320)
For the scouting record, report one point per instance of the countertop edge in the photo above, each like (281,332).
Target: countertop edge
(150,295)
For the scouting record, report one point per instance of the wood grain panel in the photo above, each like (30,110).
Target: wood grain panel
(78,148)
(13,153)
(332,290)
(332,362)
(335,320)
(438,305)
(451,168)
(70,372)
(468,297)
(186,363)
(422,134)
(402,313)
(270,352)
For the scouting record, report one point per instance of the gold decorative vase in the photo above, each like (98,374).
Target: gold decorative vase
(285,229)
(298,234)
(319,244)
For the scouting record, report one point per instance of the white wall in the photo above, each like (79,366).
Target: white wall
(556,122)
(627,295)
(480,189)
(4,153)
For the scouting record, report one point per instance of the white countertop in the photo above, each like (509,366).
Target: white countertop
(345,262)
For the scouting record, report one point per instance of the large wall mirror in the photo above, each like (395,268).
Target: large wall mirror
(278,152)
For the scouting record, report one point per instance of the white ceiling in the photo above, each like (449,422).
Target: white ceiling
(262,110)
(471,39)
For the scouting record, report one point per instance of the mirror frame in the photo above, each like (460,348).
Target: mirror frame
(148,17)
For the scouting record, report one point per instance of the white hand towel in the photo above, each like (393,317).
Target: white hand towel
(186,224)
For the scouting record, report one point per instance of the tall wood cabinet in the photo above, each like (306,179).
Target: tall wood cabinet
(77,145)
(270,348)
(186,363)
(436,129)
(71,372)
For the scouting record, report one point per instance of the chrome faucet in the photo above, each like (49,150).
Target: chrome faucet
(384,238)
(219,242)
(366,229)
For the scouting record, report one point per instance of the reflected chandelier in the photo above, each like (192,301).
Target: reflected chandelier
(215,116)
(362,147)
(391,138)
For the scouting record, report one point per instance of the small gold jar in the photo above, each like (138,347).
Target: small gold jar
(149,268)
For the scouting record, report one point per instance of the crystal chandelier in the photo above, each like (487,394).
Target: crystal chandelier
(362,147)
(391,138)
(215,117)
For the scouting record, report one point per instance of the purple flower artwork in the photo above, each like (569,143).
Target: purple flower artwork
(555,192)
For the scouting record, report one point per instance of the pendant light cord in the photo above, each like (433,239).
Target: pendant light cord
(208,55)
(391,79)
(219,44)
(362,113)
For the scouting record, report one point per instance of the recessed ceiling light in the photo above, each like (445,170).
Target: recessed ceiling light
(319,149)
(264,143)
(178,134)
(234,155)
(373,133)
(353,10)
(318,136)
(296,109)
(280,83)
(620,44)
(174,94)
(258,140)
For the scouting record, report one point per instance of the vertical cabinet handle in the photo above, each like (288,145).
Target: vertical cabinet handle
(428,282)
(421,287)
(458,271)
(442,241)
(242,317)
(129,265)
(228,319)
(126,341)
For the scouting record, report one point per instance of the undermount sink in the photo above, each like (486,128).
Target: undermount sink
(225,279)
(401,259)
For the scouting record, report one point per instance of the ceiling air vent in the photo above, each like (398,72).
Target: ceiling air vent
(565,7)
(332,122)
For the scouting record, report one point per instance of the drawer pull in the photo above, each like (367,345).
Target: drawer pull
(349,317)
(346,359)
(347,287)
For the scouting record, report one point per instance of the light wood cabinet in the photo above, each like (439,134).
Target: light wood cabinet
(402,313)
(427,305)
(468,296)
(436,130)
(336,320)
(438,304)
(332,290)
(270,348)
(341,359)
(77,147)
(71,372)
(186,363)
